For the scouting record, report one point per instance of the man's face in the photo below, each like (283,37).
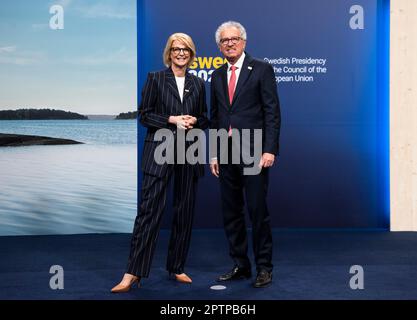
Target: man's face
(231,44)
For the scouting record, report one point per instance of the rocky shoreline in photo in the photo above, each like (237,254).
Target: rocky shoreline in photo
(19,140)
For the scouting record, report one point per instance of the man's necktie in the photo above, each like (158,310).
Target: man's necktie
(232,83)
(232,87)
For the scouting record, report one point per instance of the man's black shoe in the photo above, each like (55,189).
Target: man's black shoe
(263,279)
(236,274)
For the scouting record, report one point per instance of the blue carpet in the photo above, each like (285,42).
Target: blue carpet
(307,265)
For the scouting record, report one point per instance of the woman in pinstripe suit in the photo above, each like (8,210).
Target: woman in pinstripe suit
(171,99)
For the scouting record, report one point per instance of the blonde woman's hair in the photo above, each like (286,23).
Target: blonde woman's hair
(186,40)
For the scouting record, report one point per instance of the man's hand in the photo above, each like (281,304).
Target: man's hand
(267,160)
(214,167)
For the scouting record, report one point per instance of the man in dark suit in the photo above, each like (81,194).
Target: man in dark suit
(244,96)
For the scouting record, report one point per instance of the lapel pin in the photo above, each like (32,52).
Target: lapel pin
(250,68)
(186,90)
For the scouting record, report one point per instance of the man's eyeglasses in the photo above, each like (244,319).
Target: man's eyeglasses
(234,40)
(177,50)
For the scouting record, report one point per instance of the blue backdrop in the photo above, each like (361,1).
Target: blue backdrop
(333,169)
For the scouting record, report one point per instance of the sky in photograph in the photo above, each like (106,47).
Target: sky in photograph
(89,67)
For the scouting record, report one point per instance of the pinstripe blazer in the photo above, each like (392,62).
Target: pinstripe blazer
(160,100)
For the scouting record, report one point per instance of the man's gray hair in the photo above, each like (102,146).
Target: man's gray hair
(229,24)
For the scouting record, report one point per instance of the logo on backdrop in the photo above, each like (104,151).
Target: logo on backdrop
(203,67)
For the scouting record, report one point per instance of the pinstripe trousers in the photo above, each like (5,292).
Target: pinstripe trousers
(148,220)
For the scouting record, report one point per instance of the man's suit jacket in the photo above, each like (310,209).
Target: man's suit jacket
(255,104)
(160,99)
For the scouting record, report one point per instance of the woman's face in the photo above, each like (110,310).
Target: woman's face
(180,54)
